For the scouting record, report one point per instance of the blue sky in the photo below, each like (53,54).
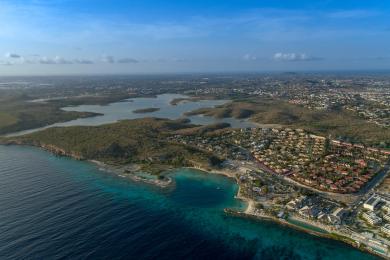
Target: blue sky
(166,36)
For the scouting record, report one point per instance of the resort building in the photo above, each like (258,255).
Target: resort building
(296,203)
(372,218)
(372,203)
(338,214)
(386,229)
(387,217)
(386,207)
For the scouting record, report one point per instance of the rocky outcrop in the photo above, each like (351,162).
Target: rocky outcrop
(47,147)
(61,152)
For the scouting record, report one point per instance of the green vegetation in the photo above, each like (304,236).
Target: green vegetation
(238,110)
(201,130)
(176,101)
(140,141)
(7,120)
(18,114)
(339,124)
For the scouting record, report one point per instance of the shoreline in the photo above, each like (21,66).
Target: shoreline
(282,222)
(132,175)
(327,233)
(247,213)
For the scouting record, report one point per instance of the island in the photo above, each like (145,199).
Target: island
(146,110)
(177,101)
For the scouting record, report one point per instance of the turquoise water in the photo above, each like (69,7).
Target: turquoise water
(307,226)
(52,207)
(124,110)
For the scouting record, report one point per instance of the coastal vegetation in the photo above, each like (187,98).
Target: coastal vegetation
(17,113)
(7,119)
(140,141)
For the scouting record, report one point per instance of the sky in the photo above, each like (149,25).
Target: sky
(59,37)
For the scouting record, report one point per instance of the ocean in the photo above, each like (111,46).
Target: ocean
(58,208)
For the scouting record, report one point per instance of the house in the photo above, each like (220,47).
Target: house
(372,218)
(387,217)
(338,215)
(309,212)
(372,203)
(386,207)
(386,229)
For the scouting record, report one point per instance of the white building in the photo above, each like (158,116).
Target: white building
(386,229)
(372,218)
(372,202)
(386,207)
(339,213)
(296,203)
(387,217)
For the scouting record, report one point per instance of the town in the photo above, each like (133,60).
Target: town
(295,177)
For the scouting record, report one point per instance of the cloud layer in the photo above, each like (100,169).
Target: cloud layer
(12,55)
(128,60)
(279,56)
(16,59)
(256,37)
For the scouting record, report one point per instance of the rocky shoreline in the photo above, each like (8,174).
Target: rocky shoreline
(134,174)
(120,171)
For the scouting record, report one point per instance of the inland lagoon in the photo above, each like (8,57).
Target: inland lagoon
(162,108)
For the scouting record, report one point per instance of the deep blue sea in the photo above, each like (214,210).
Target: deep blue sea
(58,208)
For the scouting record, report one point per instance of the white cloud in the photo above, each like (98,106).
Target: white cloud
(12,55)
(249,57)
(37,59)
(46,60)
(279,56)
(83,61)
(55,60)
(61,60)
(108,59)
(128,60)
(201,38)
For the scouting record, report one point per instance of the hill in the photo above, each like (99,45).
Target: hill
(340,124)
(140,141)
